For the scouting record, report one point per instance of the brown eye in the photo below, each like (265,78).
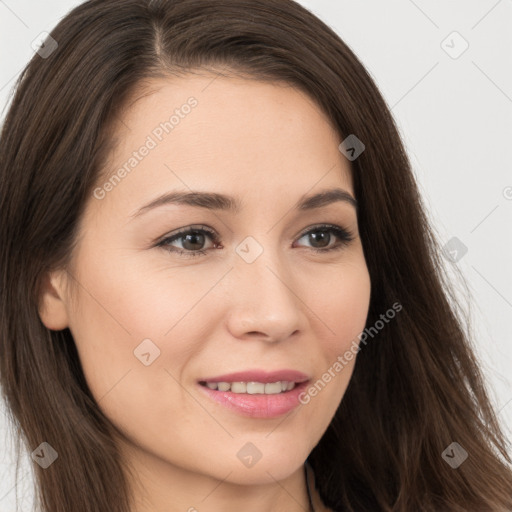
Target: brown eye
(192,241)
(320,237)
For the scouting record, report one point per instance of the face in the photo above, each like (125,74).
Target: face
(176,295)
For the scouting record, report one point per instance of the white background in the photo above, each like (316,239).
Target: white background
(455,116)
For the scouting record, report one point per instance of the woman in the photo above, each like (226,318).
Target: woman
(219,287)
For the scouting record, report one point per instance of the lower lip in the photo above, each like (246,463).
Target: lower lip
(258,406)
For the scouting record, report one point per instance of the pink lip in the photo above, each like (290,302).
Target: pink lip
(260,376)
(258,406)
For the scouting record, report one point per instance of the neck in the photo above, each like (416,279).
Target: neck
(308,471)
(315,502)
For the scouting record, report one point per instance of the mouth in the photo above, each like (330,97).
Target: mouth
(256,394)
(251,387)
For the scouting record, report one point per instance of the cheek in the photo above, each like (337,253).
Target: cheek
(131,313)
(342,304)
(133,373)
(121,307)
(153,296)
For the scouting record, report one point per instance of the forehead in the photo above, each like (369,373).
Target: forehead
(216,133)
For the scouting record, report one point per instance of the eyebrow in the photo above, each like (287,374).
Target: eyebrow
(222,202)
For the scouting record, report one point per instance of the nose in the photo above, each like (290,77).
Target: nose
(264,301)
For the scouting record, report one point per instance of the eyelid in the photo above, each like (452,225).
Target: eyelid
(186,230)
(324,226)
(344,235)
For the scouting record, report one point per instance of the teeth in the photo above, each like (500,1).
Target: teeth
(253,388)
(239,387)
(273,388)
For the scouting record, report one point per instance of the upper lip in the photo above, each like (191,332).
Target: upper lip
(260,376)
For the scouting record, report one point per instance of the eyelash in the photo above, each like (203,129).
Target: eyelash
(344,235)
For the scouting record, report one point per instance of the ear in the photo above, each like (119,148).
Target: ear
(52,305)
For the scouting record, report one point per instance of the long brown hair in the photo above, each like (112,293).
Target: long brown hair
(416,387)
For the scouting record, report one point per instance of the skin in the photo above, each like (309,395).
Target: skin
(269,145)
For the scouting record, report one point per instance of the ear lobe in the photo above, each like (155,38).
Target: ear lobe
(52,306)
